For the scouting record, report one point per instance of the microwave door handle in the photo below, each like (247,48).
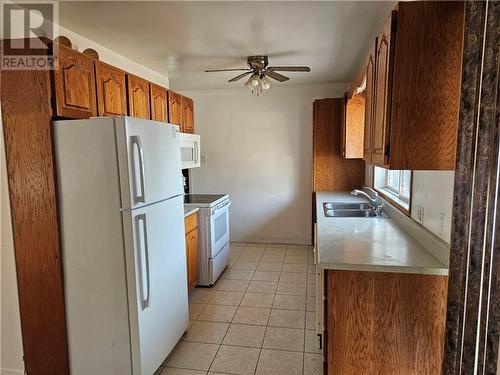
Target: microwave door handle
(196,148)
(139,198)
(145,297)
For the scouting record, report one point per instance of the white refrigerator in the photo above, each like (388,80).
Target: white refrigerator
(123,248)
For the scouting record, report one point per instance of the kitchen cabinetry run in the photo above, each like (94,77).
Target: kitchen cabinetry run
(158,103)
(111,90)
(74,81)
(138,97)
(384,323)
(416,89)
(369,105)
(191,227)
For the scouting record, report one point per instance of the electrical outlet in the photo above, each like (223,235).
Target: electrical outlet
(442,224)
(203,159)
(420,214)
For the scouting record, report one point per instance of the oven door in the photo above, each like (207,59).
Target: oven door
(190,150)
(219,228)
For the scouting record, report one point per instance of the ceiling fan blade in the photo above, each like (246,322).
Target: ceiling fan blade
(276,76)
(240,76)
(289,69)
(226,70)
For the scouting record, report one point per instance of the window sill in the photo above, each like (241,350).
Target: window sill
(394,199)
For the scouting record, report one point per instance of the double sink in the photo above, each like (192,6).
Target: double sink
(350,209)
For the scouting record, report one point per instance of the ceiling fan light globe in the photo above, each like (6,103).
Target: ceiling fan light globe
(266,85)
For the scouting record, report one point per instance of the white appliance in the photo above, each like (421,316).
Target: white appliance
(123,247)
(190,150)
(214,235)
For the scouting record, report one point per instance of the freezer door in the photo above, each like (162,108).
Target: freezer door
(156,259)
(150,161)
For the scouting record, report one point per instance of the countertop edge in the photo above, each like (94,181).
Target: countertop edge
(188,211)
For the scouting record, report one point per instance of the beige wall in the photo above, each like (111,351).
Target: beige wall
(259,151)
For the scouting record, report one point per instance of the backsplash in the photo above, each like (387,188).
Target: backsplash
(431,199)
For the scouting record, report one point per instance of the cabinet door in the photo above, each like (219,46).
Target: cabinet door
(192,258)
(111,90)
(369,106)
(383,90)
(175,108)
(343,126)
(158,103)
(75,89)
(187,115)
(138,97)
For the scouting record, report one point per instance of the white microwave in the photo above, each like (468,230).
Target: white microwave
(190,150)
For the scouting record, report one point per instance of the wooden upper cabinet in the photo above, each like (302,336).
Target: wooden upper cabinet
(187,115)
(111,90)
(354,124)
(418,65)
(138,97)
(369,106)
(158,103)
(175,108)
(383,89)
(75,88)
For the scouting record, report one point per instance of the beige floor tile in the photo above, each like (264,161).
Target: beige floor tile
(200,295)
(180,371)
(266,276)
(193,356)
(275,252)
(235,360)
(293,289)
(207,332)
(311,290)
(254,250)
(313,364)
(257,300)
(286,302)
(312,342)
(234,285)
(299,247)
(218,313)
(262,287)
(258,245)
(290,267)
(271,256)
(239,275)
(195,310)
(245,335)
(276,246)
(311,303)
(223,297)
(293,277)
(297,253)
(310,320)
(245,265)
(252,315)
(245,257)
(287,318)
(277,362)
(311,278)
(269,266)
(284,339)
(296,259)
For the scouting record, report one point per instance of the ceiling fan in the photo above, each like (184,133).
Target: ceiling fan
(259,73)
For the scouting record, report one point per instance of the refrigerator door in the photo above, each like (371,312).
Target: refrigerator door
(157,281)
(149,159)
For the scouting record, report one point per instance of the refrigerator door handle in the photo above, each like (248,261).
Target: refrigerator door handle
(145,297)
(139,198)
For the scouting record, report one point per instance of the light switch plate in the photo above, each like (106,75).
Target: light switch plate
(420,214)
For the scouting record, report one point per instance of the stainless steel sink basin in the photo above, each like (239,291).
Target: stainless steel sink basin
(346,206)
(346,209)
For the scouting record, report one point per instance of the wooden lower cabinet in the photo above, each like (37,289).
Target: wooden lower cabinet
(384,323)
(191,225)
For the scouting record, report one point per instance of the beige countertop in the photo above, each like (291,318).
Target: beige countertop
(368,244)
(190,210)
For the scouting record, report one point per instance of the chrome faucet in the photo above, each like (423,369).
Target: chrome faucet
(374,199)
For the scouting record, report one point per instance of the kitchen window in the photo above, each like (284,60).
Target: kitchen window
(394,185)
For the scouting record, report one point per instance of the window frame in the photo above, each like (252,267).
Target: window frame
(391,195)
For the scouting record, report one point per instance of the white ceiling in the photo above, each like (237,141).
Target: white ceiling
(182,39)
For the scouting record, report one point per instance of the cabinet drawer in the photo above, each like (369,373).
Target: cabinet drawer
(191,222)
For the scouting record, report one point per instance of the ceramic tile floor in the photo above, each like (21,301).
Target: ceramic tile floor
(257,319)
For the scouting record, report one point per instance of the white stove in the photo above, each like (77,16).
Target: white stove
(214,234)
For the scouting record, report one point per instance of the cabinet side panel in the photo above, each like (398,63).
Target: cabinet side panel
(426,85)
(92,247)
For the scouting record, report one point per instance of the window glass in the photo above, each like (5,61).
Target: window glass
(395,184)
